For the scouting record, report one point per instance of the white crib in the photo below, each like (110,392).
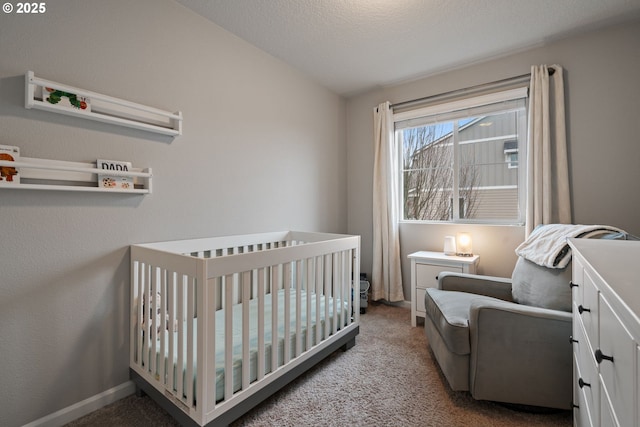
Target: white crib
(220,324)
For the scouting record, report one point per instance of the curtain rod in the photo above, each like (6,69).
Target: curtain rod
(475,88)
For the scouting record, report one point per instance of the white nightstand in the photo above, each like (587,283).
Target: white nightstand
(425,267)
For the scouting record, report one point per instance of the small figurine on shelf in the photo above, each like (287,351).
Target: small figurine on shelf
(9,174)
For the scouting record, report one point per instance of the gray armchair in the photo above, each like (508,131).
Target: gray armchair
(505,340)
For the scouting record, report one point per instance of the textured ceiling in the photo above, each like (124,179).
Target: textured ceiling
(354,45)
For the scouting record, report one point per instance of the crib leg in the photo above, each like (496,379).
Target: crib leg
(351,343)
(140,392)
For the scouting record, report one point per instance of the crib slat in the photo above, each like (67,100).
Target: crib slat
(210,352)
(164,325)
(153,304)
(148,316)
(328,266)
(299,282)
(319,296)
(338,284)
(191,295)
(341,288)
(246,360)
(287,314)
(144,336)
(310,286)
(335,293)
(355,264)
(133,314)
(139,333)
(145,329)
(228,336)
(178,378)
(174,318)
(344,290)
(275,279)
(261,321)
(353,283)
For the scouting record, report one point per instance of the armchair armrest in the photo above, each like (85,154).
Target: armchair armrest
(497,287)
(520,354)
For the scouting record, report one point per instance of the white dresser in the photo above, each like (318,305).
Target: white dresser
(425,267)
(606,332)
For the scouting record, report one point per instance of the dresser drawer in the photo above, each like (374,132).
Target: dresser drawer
(586,379)
(582,411)
(587,309)
(618,375)
(577,279)
(607,419)
(427,276)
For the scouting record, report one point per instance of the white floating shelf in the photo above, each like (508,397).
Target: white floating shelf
(100,107)
(44,174)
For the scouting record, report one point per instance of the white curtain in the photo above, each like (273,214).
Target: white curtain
(386,280)
(547,166)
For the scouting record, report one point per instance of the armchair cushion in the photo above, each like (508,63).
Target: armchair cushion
(542,287)
(449,313)
(520,354)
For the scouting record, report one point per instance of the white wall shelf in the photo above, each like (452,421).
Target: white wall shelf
(45,174)
(101,108)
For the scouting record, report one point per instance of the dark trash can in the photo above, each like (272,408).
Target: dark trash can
(364,295)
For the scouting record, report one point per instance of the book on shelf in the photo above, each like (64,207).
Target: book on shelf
(60,98)
(116,182)
(9,175)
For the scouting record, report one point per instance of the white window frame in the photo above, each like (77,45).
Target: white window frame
(508,159)
(469,107)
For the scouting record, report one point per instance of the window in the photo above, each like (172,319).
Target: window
(467,151)
(511,154)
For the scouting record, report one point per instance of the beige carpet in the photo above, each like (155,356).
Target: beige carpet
(388,379)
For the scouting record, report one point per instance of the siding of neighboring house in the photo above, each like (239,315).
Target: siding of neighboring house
(482,143)
(497,203)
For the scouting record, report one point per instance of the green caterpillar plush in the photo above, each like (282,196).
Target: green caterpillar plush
(56,96)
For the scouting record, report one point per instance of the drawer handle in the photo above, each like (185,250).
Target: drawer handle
(573,285)
(600,357)
(573,405)
(572,340)
(582,309)
(582,384)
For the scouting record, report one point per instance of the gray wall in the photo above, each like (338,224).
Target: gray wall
(603,107)
(264,148)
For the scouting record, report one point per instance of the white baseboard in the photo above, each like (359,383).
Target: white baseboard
(80,409)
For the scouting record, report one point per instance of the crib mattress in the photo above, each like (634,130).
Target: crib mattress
(237,328)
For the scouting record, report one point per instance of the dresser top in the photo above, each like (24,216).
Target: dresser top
(617,262)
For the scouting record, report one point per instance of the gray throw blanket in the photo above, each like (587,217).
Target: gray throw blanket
(547,244)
